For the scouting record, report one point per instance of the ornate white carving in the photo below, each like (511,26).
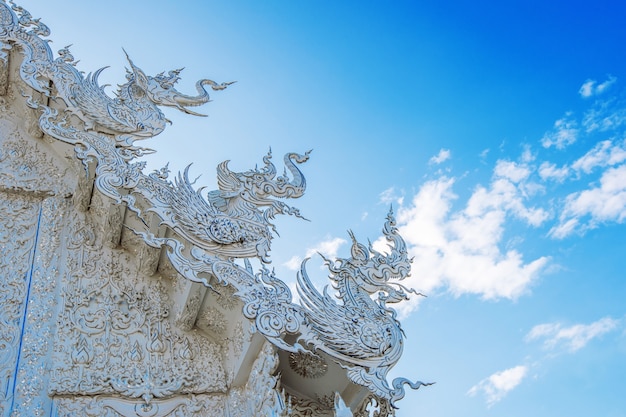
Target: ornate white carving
(225,297)
(299,407)
(133,114)
(213,320)
(4,69)
(20,215)
(119,348)
(307,365)
(26,167)
(374,406)
(186,317)
(260,396)
(31,391)
(119,326)
(362,335)
(205,405)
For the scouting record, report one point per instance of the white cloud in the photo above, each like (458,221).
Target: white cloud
(565,133)
(591,88)
(549,171)
(293,263)
(586,90)
(604,203)
(572,338)
(498,385)
(604,116)
(564,228)
(605,153)
(391,196)
(461,250)
(328,248)
(510,170)
(442,156)
(504,195)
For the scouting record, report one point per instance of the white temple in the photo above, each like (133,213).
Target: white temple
(125,293)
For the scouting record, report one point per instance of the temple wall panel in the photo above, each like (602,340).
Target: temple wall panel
(132,293)
(20,215)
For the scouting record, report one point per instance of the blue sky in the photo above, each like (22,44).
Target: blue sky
(496,129)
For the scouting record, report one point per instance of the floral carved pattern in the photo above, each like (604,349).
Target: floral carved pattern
(31,392)
(307,365)
(116,326)
(25,167)
(20,215)
(101,406)
(116,344)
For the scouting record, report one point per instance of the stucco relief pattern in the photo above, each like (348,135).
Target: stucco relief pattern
(25,167)
(31,391)
(375,407)
(261,395)
(116,325)
(203,405)
(307,408)
(115,336)
(19,214)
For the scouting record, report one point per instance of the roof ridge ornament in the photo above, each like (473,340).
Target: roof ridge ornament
(358,329)
(133,114)
(363,334)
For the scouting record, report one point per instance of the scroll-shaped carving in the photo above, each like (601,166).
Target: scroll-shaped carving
(19,215)
(233,221)
(114,335)
(261,394)
(236,219)
(374,406)
(207,232)
(361,334)
(133,114)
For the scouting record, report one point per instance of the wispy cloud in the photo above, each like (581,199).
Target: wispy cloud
(549,171)
(498,385)
(328,248)
(442,156)
(564,133)
(604,115)
(603,154)
(586,209)
(571,338)
(591,88)
(391,196)
(463,247)
(462,250)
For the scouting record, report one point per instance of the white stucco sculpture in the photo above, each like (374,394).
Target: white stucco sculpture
(132,293)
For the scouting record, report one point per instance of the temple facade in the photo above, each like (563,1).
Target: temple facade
(127,293)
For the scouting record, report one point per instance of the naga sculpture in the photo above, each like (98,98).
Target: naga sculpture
(363,334)
(360,333)
(132,114)
(236,219)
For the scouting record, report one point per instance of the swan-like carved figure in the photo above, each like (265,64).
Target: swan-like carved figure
(363,334)
(133,114)
(233,221)
(236,219)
